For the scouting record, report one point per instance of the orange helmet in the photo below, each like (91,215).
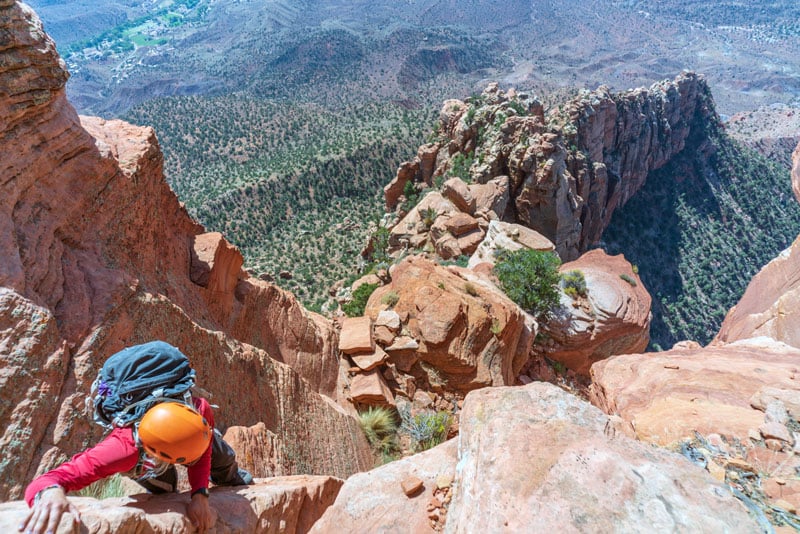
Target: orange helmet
(174,432)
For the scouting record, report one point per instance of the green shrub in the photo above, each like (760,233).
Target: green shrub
(530,278)
(390,299)
(428,216)
(496,328)
(574,283)
(105,488)
(426,429)
(470,288)
(461,261)
(357,304)
(380,427)
(628,279)
(459,166)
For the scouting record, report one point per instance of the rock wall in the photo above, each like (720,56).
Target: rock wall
(566,171)
(796,172)
(99,254)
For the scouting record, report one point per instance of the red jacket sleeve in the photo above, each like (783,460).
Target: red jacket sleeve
(117,453)
(200,471)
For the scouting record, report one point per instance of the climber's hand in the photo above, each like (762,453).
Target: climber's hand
(199,512)
(46,512)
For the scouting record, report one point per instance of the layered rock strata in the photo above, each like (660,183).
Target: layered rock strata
(562,173)
(99,254)
(613,317)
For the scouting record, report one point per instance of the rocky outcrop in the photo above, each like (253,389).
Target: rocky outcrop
(770,305)
(466,333)
(565,172)
(375,501)
(99,254)
(667,396)
(288,504)
(612,318)
(537,459)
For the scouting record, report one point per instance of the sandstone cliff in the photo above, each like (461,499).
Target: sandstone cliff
(562,173)
(99,254)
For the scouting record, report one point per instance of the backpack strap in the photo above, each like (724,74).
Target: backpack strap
(154,398)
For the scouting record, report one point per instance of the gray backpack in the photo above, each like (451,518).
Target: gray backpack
(136,378)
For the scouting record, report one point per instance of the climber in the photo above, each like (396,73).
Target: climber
(176,428)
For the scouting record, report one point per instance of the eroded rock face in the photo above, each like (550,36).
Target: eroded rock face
(569,170)
(469,334)
(770,305)
(537,459)
(613,318)
(667,396)
(98,255)
(287,504)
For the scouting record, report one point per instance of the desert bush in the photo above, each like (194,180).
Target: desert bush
(628,279)
(390,299)
(470,288)
(380,428)
(357,304)
(105,488)
(530,278)
(426,429)
(574,283)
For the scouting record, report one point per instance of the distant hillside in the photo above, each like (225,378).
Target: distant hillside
(122,53)
(295,186)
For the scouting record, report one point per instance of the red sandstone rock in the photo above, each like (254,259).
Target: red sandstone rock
(370,360)
(97,255)
(453,316)
(543,447)
(258,450)
(356,335)
(370,388)
(457,192)
(770,305)
(287,504)
(615,320)
(706,390)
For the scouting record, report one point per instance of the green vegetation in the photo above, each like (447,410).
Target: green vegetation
(530,278)
(357,304)
(700,229)
(459,166)
(426,429)
(380,428)
(470,289)
(574,283)
(106,488)
(390,298)
(295,186)
(628,279)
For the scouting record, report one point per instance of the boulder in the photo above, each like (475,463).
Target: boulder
(356,335)
(457,192)
(375,501)
(614,318)
(469,333)
(371,389)
(668,396)
(366,361)
(286,504)
(537,459)
(507,236)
